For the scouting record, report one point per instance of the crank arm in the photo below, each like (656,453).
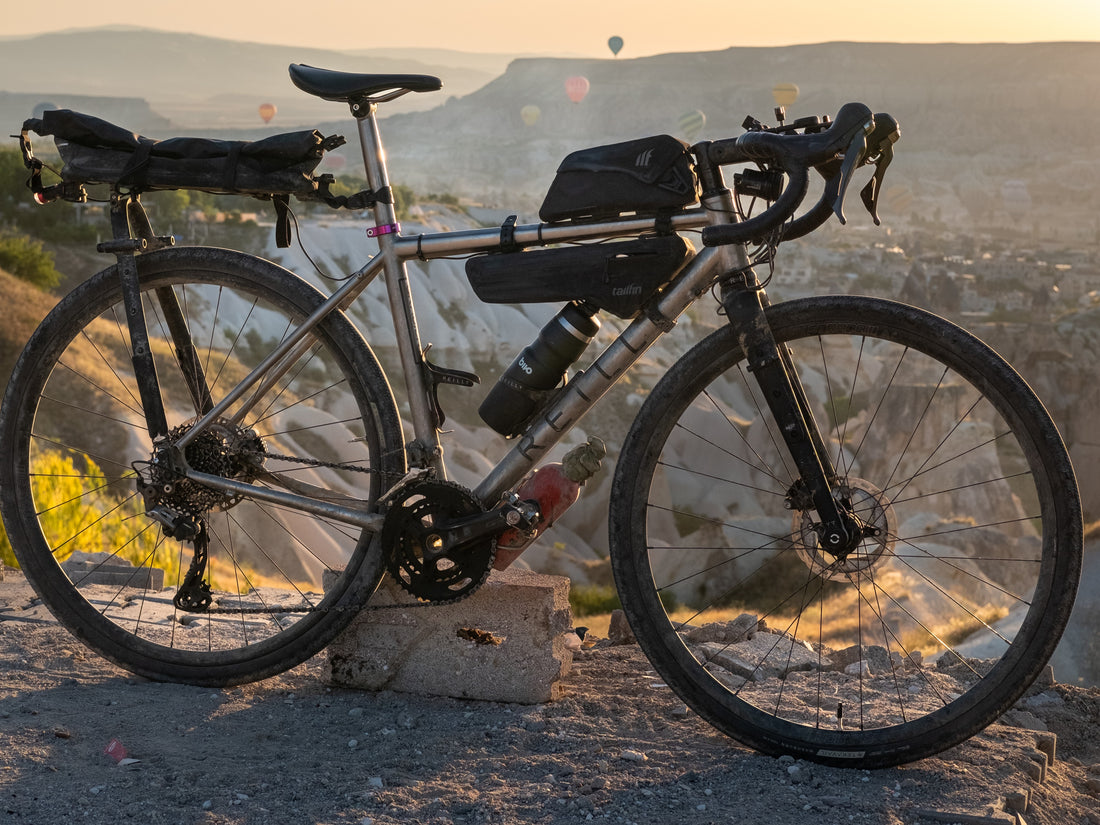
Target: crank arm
(450,536)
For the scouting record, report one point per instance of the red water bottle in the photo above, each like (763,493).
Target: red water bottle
(554,488)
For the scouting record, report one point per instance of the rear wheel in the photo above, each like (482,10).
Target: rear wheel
(76,458)
(925,632)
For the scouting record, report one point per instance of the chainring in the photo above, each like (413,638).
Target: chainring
(414,553)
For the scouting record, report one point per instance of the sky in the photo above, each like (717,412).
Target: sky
(576,27)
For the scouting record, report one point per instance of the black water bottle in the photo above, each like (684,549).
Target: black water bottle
(538,370)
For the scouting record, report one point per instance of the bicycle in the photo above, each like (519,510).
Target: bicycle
(867,490)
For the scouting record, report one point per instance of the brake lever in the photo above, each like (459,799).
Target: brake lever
(887,133)
(870,193)
(837,186)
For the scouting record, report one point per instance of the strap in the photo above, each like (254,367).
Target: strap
(508,235)
(229,169)
(282,220)
(360,200)
(130,175)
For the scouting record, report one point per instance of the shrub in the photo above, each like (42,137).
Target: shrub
(25,258)
(592,599)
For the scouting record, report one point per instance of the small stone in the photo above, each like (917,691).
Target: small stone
(1017,801)
(376,782)
(633,756)
(1035,771)
(618,631)
(1048,744)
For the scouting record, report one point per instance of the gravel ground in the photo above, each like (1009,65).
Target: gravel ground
(617,748)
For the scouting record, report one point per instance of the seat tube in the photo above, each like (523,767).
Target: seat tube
(424,450)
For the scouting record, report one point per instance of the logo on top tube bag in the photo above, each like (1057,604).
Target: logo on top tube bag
(644,158)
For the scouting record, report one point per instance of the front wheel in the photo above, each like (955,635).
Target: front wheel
(930,628)
(77,465)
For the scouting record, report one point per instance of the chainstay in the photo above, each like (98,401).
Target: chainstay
(308,608)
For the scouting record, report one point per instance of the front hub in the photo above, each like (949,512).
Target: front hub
(873,519)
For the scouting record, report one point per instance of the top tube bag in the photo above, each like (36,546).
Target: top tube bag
(645,176)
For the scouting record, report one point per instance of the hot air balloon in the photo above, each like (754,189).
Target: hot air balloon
(691,124)
(785,94)
(615,44)
(530,114)
(576,88)
(267,111)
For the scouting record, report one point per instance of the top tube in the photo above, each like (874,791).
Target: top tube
(437,244)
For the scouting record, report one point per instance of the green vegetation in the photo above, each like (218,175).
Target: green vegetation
(77,511)
(25,258)
(593,600)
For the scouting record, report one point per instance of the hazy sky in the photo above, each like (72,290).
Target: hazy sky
(577,27)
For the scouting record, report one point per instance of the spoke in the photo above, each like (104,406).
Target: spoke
(730,481)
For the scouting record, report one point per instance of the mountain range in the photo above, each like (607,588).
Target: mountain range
(974,117)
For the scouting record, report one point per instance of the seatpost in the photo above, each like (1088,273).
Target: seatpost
(424,450)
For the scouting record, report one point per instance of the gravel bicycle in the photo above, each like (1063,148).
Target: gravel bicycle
(840,527)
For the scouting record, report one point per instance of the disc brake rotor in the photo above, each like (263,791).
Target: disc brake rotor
(880,529)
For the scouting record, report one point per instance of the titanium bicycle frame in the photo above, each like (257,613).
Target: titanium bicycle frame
(743,301)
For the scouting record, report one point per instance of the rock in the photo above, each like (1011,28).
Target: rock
(1048,744)
(619,632)
(1023,719)
(765,655)
(872,660)
(738,630)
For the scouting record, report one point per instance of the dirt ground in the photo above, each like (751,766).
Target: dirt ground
(619,748)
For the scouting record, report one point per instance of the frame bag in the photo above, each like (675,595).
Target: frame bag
(616,277)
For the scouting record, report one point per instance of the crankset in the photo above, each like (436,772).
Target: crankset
(430,547)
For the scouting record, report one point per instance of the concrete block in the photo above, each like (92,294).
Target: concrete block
(508,642)
(116,572)
(1048,744)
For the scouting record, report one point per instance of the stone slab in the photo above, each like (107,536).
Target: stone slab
(123,575)
(508,642)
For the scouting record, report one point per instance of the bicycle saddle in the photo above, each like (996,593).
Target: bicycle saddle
(349,87)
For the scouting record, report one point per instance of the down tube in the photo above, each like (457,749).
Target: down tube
(582,393)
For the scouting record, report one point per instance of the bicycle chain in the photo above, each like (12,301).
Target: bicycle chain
(312,462)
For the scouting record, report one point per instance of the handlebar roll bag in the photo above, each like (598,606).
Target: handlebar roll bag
(618,277)
(95,151)
(645,176)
